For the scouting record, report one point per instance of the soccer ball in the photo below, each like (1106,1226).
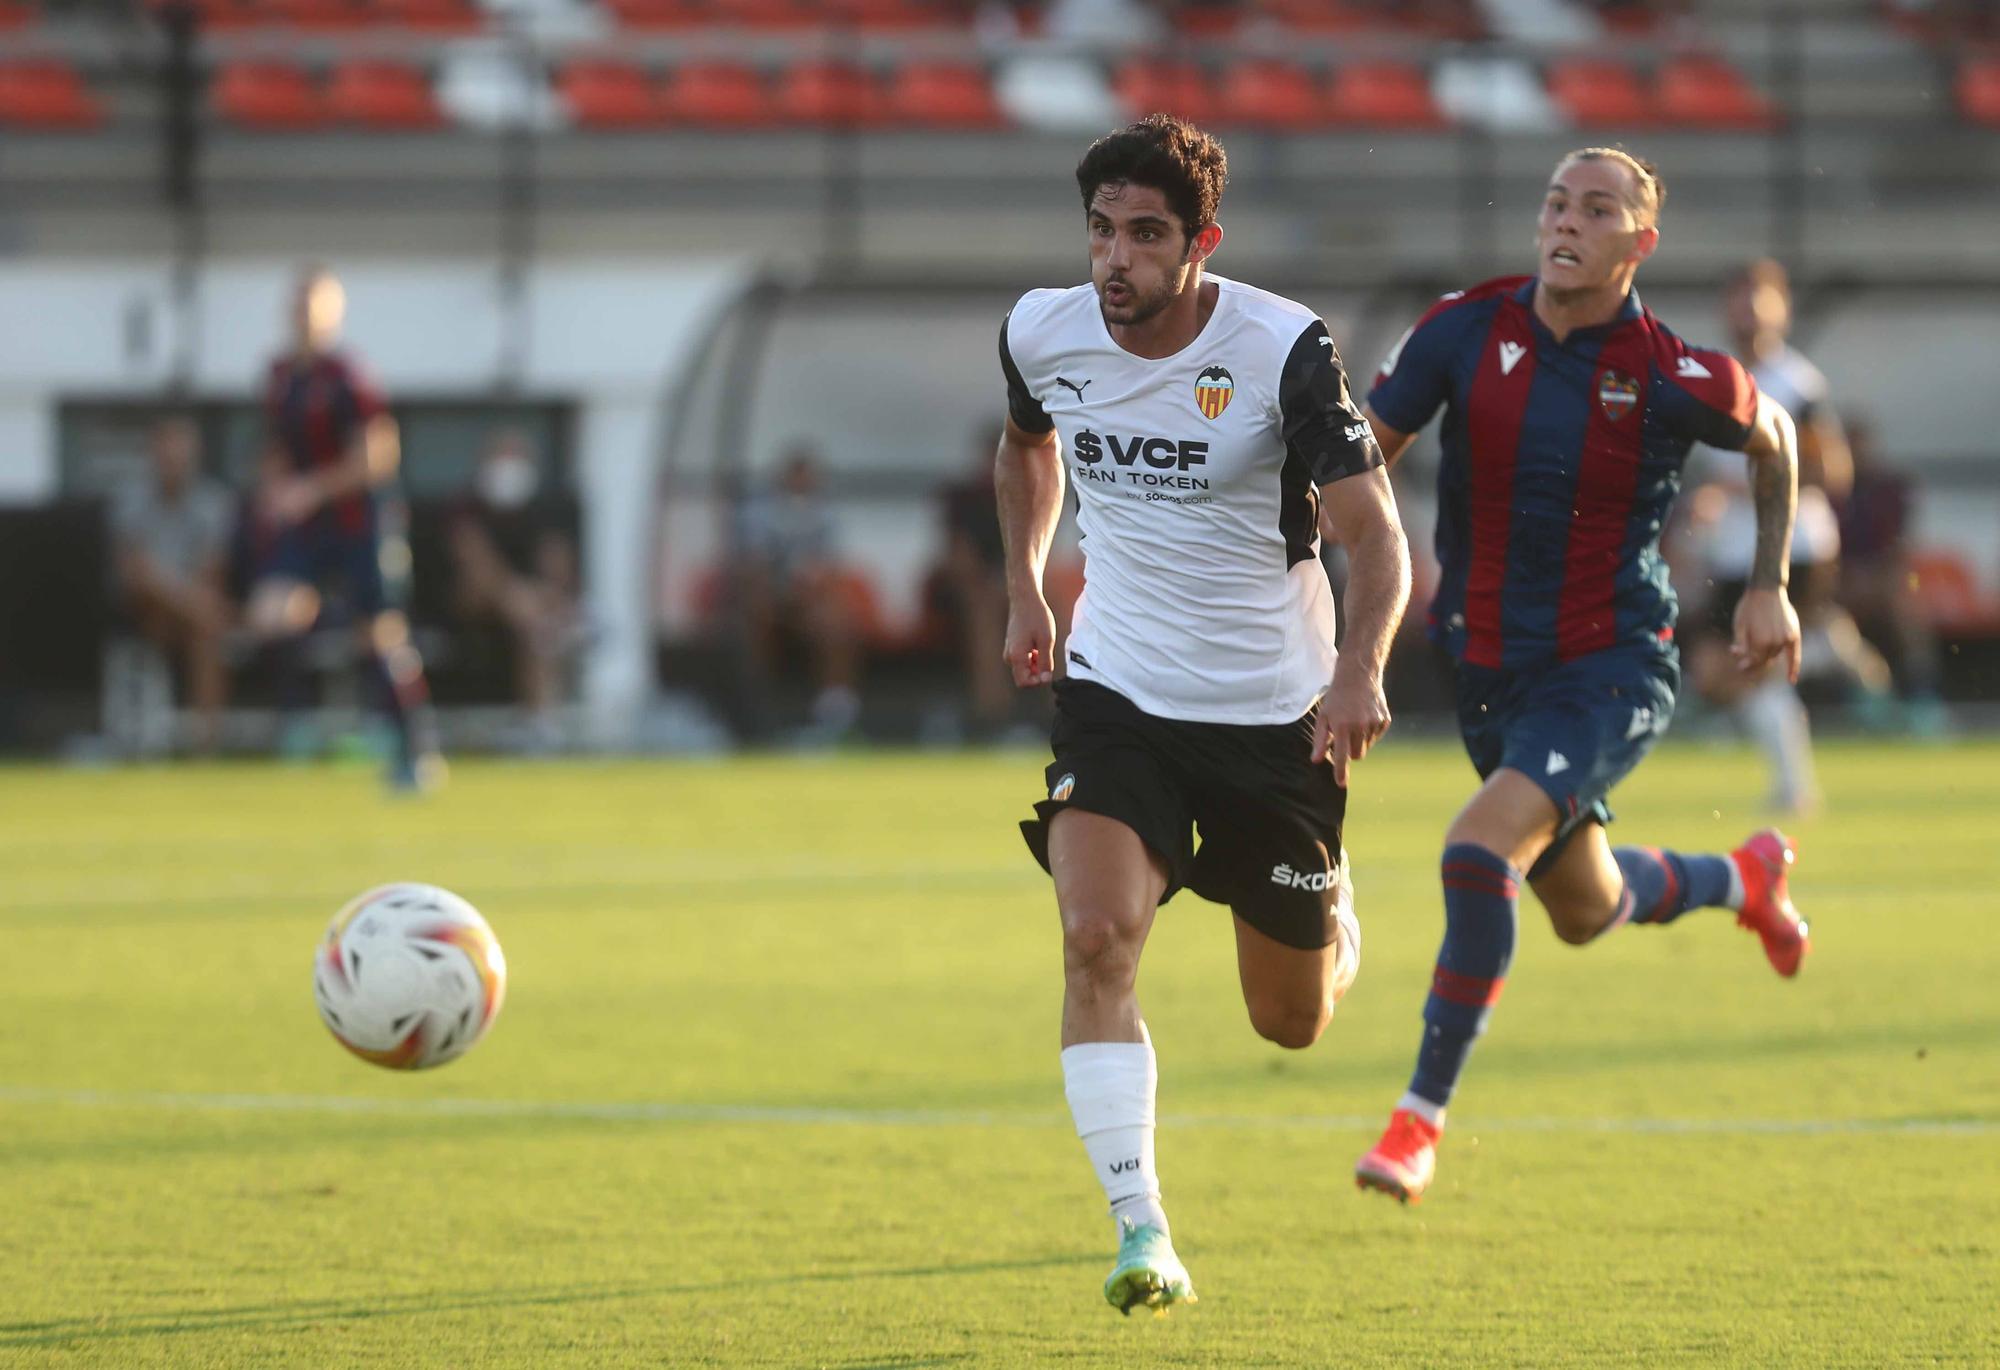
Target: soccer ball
(409,976)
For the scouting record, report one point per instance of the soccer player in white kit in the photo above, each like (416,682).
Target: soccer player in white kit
(1207,431)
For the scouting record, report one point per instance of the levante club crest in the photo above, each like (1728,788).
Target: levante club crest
(1618,394)
(1212,391)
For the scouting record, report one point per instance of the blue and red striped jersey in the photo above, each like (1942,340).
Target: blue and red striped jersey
(1561,460)
(315,410)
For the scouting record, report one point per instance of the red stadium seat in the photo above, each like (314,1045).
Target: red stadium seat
(1384,95)
(1145,86)
(1949,595)
(831,93)
(766,14)
(47,95)
(1599,94)
(1270,95)
(383,95)
(1979,91)
(1317,16)
(1706,92)
(269,95)
(719,95)
(322,16)
(944,95)
(430,16)
(884,16)
(609,95)
(1207,23)
(659,14)
(15,16)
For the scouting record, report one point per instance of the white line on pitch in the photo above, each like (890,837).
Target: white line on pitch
(644,1111)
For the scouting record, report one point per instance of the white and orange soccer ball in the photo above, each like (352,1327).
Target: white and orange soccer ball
(409,976)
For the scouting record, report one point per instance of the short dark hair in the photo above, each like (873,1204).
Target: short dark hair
(1171,155)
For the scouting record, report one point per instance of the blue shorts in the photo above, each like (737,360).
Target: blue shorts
(1576,728)
(339,563)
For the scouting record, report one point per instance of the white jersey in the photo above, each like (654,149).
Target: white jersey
(1196,480)
(1801,390)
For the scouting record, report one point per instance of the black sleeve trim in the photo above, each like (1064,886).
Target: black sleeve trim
(1022,407)
(1322,425)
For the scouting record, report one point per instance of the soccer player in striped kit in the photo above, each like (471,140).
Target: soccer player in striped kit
(332,448)
(1569,411)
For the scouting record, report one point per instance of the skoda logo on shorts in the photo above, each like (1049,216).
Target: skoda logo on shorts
(1063,789)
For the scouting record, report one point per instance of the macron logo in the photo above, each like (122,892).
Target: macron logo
(1690,369)
(1558,763)
(1510,357)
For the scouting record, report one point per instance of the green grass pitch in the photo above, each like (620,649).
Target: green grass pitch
(776,1085)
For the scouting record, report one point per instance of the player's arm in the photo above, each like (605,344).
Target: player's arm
(1028,484)
(1824,457)
(372,456)
(1766,625)
(1028,478)
(1324,429)
(1359,512)
(1393,442)
(370,460)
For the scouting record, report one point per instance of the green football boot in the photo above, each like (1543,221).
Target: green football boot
(1148,1273)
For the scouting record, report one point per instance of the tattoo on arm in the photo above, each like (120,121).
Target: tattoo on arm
(1774,490)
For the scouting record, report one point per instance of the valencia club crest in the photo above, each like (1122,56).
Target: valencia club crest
(1212,391)
(1617,394)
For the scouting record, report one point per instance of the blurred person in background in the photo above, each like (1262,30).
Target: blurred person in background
(170,534)
(514,566)
(331,449)
(1757,307)
(1876,580)
(792,589)
(968,588)
(1569,412)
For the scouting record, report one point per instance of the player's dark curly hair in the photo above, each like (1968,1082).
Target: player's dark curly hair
(1171,155)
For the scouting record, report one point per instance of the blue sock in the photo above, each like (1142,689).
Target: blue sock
(1480,893)
(1660,886)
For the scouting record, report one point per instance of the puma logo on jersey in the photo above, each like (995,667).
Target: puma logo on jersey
(1510,357)
(1155,452)
(1690,369)
(1072,385)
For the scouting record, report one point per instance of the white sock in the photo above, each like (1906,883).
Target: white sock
(1776,721)
(1110,1086)
(1423,1108)
(1734,899)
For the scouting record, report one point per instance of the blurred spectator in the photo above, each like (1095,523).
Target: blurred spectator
(170,539)
(514,566)
(332,450)
(1876,580)
(792,591)
(968,589)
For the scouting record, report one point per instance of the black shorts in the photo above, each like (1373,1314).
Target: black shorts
(1268,817)
(1809,579)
